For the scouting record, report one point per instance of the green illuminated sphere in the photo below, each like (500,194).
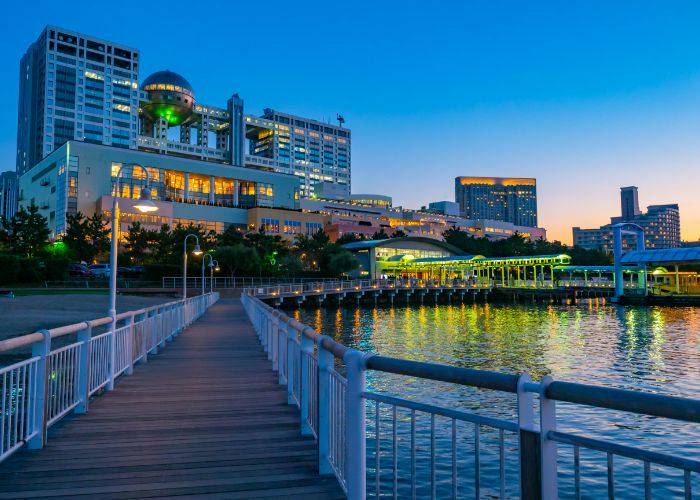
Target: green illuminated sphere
(170,97)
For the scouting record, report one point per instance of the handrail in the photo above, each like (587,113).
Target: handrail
(645,403)
(55,381)
(59,331)
(334,411)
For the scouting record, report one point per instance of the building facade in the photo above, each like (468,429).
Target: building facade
(367,218)
(81,88)
(81,177)
(661,225)
(8,194)
(75,87)
(511,200)
(318,153)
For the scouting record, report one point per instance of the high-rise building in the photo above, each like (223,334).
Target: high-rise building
(511,200)
(75,87)
(8,194)
(629,202)
(661,225)
(78,87)
(318,153)
(83,117)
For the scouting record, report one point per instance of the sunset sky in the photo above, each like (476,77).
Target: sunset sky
(586,99)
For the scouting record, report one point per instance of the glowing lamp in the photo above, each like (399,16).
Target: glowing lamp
(145,205)
(197,250)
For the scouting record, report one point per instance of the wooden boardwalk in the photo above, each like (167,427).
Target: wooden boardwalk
(205,417)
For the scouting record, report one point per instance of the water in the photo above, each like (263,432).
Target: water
(651,349)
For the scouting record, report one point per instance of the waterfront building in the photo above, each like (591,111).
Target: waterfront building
(285,222)
(661,225)
(509,199)
(367,218)
(212,162)
(8,194)
(429,259)
(80,177)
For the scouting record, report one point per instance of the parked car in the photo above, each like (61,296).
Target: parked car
(100,270)
(78,270)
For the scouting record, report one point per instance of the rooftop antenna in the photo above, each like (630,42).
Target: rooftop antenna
(340,119)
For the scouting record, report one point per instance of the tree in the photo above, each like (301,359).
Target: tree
(27,232)
(140,244)
(238,259)
(350,238)
(86,237)
(231,236)
(399,234)
(309,248)
(380,235)
(342,262)
(270,248)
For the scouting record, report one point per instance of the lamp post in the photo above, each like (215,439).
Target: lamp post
(211,263)
(211,272)
(144,205)
(196,251)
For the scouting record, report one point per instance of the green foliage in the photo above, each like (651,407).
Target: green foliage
(26,232)
(88,238)
(399,234)
(519,245)
(380,235)
(341,263)
(238,260)
(350,238)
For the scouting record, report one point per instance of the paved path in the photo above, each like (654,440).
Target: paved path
(205,417)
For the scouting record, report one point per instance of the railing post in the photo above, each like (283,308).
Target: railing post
(112,354)
(548,447)
(282,353)
(274,331)
(291,361)
(355,431)
(325,365)
(151,340)
(41,349)
(529,444)
(130,347)
(84,336)
(307,350)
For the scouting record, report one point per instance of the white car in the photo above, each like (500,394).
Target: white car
(100,270)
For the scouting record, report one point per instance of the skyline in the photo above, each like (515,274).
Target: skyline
(583,112)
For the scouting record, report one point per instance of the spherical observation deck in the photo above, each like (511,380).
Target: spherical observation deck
(170,97)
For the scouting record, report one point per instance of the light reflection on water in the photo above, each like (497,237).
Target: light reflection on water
(643,348)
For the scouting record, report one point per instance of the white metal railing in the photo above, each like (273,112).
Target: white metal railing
(334,286)
(195,282)
(37,392)
(326,380)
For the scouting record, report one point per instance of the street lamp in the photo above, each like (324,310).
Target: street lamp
(197,251)
(143,205)
(204,259)
(211,271)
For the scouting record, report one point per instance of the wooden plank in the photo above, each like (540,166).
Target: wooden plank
(204,417)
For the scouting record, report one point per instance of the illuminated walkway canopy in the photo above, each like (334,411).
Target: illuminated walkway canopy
(426,258)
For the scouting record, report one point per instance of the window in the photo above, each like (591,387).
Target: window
(292,227)
(270,225)
(312,228)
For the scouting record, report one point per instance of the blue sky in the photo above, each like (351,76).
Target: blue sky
(585,98)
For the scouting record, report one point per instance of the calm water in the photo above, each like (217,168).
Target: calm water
(653,349)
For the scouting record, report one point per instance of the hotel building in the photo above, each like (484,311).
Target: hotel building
(661,224)
(83,115)
(511,200)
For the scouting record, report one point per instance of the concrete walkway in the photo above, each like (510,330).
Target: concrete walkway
(205,417)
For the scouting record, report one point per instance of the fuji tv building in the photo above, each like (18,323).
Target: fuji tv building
(83,117)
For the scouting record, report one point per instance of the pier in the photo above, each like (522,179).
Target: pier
(234,398)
